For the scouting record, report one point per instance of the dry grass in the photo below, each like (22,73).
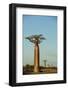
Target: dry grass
(43,70)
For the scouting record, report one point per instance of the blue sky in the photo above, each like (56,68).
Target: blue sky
(46,25)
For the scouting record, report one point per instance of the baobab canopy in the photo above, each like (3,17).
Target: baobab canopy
(36,39)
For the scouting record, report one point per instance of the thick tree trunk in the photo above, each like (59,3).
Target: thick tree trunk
(36,58)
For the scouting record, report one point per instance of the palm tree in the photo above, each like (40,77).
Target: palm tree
(36,39)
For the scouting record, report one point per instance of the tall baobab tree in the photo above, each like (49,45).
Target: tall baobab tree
(36,39)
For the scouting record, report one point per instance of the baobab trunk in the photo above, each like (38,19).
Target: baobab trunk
(36,58)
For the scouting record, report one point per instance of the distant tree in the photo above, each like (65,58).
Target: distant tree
(27,65)
(45,62)
(48,65)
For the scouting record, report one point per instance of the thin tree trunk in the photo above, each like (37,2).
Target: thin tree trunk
(36,58)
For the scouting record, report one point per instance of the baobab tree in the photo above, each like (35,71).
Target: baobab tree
(45,62)
(36,39)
